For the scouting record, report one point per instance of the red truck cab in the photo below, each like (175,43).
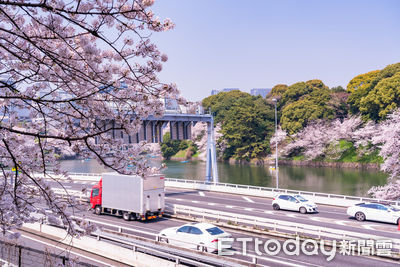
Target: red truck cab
(95,195)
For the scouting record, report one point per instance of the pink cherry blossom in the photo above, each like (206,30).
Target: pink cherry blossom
(67,68)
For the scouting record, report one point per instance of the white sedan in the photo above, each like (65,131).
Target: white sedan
(293,202)
(196,236)
(374,212)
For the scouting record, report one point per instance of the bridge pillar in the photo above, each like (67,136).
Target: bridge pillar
(211,163)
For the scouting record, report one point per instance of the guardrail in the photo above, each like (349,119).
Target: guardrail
(269,192)
(277,225)
(168,250)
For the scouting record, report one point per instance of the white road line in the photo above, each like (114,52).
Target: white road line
(195,201)
(292,215)
(316,219)
(368,226)
(201,193)
(230,207)
(248,199)
(269,211)
(341,223)
(248,209)
(178,199)
(63,249)
(211,204)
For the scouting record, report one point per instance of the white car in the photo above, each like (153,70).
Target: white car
(196,236)
(293,202)
(374,212)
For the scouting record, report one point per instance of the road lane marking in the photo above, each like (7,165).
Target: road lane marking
(269,212)
(230,207)
(248,199)
(201,193)
(368,226)
(342,223)
(195,201)
(211,204)
(248,209)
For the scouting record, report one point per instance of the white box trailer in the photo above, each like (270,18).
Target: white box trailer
(131,196)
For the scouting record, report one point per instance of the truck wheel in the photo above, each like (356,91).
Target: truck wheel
(303,210)
(126,215)
(134,217)
(97,210)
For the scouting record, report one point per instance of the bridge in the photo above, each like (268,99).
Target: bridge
(180,129)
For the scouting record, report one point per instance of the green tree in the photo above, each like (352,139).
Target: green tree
(249,128)
(382,99)
(304,102)
(222,102)
(169,147)
(375,94)
(358,88)
(277,91)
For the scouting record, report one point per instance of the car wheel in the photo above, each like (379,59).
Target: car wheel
(97,210)
(360,216)
(303,210)
(126,216)
(276,207)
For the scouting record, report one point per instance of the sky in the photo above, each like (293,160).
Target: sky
(249,44)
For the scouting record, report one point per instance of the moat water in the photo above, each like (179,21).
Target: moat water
(318,179)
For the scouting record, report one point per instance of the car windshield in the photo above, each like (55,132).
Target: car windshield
(214,231)
(300,198)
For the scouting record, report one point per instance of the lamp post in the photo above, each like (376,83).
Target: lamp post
(276,145)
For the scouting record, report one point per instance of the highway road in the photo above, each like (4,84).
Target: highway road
(327,216)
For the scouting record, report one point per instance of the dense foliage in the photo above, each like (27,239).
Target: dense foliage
(375,94)
(247,123)
(304,102)
(170,147)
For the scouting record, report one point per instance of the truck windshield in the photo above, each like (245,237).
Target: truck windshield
(95,192)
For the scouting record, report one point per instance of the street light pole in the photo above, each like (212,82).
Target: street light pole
(276,145)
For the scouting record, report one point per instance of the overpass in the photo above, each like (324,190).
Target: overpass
(180,129)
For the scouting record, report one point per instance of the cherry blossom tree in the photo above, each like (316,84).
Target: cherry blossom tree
(388,139)
(315,137)
(72,74)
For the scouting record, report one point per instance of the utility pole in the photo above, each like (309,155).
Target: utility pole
(276,145)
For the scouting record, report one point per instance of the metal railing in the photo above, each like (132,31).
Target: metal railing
(278,225)
(167,250)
